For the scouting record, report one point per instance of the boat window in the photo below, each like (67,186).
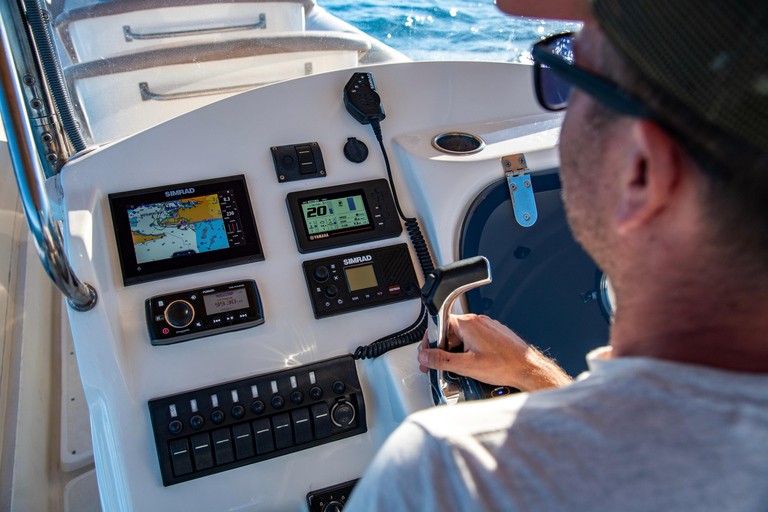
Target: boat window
(131,64)
(545,287)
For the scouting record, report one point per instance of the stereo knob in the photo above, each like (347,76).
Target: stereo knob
(343,414)
(321,274)
(334,506)
(179,313)
(331,291)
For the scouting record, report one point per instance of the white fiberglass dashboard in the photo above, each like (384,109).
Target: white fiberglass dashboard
(122,370)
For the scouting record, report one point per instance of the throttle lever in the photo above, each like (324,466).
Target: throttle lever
(441,289)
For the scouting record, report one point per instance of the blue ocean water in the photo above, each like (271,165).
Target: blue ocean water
(447,29)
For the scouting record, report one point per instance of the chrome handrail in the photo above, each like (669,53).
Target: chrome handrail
(130,35)
(31,181)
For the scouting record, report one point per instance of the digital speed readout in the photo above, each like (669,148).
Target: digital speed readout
(225,301)
(340,214)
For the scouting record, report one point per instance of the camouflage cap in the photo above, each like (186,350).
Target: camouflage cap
(710,55)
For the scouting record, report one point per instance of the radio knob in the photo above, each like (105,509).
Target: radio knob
(321,274)
(179,313)
(331,291)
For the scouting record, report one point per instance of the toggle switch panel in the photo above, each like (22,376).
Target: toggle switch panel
(298,162)
(243,422)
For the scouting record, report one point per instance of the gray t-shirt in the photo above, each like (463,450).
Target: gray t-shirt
(637,434)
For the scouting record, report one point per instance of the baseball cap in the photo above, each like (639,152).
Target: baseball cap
(709,55)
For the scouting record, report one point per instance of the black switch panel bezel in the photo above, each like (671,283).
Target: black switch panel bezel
(340,369)
(318,500)
(288,162)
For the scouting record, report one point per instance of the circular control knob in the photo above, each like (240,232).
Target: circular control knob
(343,414)
(321,274)
(238,411)
(196,421)
(175,427)
(334,506)
(217,416)
(278,402)
(297,397)
(179,313)
(316,392)
(339,387)
(257,406)
(331,291)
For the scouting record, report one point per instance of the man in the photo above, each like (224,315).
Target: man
(664,164)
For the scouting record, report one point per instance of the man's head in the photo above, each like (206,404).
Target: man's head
(702,66)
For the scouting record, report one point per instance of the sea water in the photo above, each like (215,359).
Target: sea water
(448,29)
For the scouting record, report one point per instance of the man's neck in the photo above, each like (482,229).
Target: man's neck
(707,321)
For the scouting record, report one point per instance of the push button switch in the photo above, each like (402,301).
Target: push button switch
(201,451)
(283,431)
(243,441)
(301,426)
(262,429)
(321,420)
(222,446)
(180,458)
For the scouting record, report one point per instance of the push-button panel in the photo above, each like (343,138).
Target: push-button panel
(214,429)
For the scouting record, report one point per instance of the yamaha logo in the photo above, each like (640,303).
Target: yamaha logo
(180,192)
(317,237)
(358,259)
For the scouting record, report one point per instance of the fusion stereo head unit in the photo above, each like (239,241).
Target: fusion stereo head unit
(330,217)
(185,228)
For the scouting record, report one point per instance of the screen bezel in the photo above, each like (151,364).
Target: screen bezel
(134,272)
(377,199)
(330,197)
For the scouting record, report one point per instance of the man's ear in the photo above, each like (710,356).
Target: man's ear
(649,176)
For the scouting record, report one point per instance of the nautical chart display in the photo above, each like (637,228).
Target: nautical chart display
(184,228)
(180,227)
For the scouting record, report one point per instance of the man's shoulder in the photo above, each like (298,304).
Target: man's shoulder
(499,414)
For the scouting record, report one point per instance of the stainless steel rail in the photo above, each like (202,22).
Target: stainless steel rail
(130,35)
(31,180)
(147,95)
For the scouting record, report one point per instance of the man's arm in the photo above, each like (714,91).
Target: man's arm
(493,354)
(555,9)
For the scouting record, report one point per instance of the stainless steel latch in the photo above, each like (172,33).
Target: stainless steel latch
(520,189)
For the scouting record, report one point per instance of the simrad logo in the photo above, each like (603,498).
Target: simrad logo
(358,259)
(179,192)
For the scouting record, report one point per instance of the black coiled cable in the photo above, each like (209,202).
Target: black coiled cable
(411,334)
(415,331)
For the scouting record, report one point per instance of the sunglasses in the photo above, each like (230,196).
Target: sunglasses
(555,76)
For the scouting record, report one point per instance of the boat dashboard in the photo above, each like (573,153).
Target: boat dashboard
(244,250)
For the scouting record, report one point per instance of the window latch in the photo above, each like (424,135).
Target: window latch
(520,189)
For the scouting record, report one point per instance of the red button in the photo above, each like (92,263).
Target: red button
(394,290)
(166,330)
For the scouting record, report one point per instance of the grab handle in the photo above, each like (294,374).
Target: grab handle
(130,36)
(147,95)
(31,180)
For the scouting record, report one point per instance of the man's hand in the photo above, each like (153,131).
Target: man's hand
(493,354)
